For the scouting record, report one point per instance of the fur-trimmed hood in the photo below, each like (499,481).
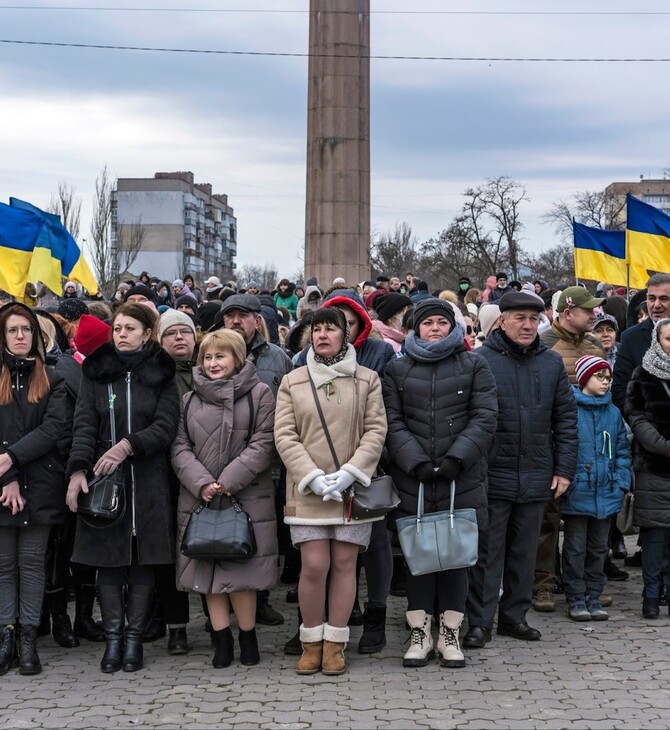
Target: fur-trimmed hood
(105,365)
(349,298)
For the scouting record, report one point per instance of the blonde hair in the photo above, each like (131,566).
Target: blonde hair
(227,340)
(48,331)
(448,296)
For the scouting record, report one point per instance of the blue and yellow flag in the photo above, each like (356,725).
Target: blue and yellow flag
(647,235)
(601,255)
(19,232)
(37,240)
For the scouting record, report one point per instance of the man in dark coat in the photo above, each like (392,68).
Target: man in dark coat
(635,341)
(533,461)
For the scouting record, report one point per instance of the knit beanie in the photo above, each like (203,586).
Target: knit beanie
(488,316)
(142,289)
(433,307)
(173,317)
(91,333)
(187,300)
(72,309)
(586,366)
(390,304)
(372,298)
(206,314)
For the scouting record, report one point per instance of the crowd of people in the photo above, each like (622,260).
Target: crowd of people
(539,406)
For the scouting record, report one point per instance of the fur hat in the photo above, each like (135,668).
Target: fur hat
(586,366)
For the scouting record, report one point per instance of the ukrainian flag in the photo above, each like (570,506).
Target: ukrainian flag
(19,232)
(601,255)
(647,235)
(55,253)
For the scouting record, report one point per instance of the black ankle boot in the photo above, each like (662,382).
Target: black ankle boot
(7,648)
(111,607)
(155,626)
(249,654)
(29,662)
(374,631)
(84,625)
(178,642)
(61,627)
(223,648)
(138,608)
(650,607)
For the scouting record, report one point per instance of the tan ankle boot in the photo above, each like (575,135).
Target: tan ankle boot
(334,643)
(448,645)
(312,650)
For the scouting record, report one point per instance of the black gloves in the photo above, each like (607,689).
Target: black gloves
(424,472)
(450,468)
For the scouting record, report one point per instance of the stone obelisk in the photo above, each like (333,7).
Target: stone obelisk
(337,227)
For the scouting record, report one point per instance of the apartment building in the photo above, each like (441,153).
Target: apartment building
(183,226)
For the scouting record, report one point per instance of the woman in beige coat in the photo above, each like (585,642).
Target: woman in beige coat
(224,447)
(316,487)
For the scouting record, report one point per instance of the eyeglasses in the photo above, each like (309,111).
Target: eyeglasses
(25,330)
(171,334)
(603,377)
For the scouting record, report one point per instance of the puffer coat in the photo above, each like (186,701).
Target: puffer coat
(537,420)
(435,410)
(154,418)
(647,411)
(603,459)
(37,437)
(226,437)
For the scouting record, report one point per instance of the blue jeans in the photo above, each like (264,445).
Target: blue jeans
(584,551)
(655,542)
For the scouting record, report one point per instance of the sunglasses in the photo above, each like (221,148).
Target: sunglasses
(469,329)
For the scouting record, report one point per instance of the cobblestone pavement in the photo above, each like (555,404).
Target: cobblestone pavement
(613,674)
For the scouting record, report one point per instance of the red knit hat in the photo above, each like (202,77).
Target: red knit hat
(587,366)
(91,333)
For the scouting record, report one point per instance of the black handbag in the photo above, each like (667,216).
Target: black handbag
(104,505)
(364,503)
(219,533)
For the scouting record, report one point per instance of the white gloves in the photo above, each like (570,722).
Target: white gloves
(338,482)
(318,485)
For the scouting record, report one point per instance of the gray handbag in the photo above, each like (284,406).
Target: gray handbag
(439,541)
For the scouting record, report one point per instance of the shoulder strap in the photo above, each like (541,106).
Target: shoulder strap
(323,423)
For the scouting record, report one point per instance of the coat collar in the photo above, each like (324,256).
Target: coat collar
(104,365)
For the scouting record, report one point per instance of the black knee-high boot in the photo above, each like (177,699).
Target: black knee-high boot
(140,600)
(113,621)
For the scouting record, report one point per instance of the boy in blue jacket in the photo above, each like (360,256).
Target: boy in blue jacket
(596,493)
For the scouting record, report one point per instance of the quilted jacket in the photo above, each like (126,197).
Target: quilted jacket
(225,436)
(603,459)
(537,420)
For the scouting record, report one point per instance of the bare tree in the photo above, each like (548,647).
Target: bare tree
(264,275)
(595,208)
(556,265)
(499,200)
(129,242)
(66,204)
(104,260)
(395,252)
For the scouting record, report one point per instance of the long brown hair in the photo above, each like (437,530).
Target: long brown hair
(38,382)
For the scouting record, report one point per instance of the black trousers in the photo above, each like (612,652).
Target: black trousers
(435,593)
(507,552)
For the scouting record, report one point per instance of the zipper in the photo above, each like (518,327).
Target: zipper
(129,424)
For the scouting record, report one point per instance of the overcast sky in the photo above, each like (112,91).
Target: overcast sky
(239,122)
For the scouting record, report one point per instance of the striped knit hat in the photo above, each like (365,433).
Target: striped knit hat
(586,366)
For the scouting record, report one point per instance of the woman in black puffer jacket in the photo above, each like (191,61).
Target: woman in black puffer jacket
(441,405)
(35,430)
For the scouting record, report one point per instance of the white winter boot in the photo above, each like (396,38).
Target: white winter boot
(420,640)
(448,646)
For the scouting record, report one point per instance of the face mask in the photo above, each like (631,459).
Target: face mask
(502,286)
(464,287)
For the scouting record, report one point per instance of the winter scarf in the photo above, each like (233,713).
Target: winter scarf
(655,361)
(323,373)
(424,351)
